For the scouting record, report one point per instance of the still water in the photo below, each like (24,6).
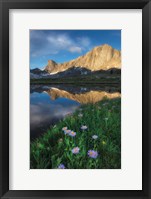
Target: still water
(51,103)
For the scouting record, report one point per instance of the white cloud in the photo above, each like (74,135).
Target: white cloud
(75,49)
(64,42)
(84,41)
(43,43)
(60,41)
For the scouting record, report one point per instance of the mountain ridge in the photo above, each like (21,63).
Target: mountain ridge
(99,58)
(72,72)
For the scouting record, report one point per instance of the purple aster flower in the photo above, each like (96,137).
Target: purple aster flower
(72,134)
(94,137)
(75,150)
(67,132)
(92,154)
(61,166)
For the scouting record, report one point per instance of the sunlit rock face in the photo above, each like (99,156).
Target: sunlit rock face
(51,66)
(83,98)
(99,58)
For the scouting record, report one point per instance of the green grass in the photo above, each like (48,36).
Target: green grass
(90,79)
(102,119)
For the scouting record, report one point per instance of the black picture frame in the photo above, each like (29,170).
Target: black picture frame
(5,5)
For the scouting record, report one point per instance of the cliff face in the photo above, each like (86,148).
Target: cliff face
(51,66)
(101,57)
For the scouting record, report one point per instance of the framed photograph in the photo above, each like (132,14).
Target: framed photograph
(75,99)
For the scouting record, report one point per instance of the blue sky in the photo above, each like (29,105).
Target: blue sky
(65,45)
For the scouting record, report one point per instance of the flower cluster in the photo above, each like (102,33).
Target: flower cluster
(68,132)
(76,150)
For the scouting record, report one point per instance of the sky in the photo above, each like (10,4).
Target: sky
(65,45)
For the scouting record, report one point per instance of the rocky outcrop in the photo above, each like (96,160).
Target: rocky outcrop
(51,66)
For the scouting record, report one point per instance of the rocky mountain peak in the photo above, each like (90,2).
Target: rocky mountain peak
(50,66)
(101,57)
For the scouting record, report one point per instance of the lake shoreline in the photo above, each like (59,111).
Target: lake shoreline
(102,119)
(77,83)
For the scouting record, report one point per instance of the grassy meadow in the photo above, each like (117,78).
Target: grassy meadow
(88,79)
(90,138)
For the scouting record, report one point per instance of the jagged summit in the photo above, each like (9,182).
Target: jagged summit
(101,57)
(51,66)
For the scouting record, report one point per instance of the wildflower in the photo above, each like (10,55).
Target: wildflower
(94,137)
(54,126)
(75,150)
(80,115)
(61,166)
(83,127)
(92,154)
(103,142)
(72,134)
(64,128)
(67,132)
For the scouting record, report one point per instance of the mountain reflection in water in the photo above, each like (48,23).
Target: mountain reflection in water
(83,98)
(49,104)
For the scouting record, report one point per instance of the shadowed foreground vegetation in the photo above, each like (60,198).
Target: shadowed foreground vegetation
(93,143)
(88,79)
